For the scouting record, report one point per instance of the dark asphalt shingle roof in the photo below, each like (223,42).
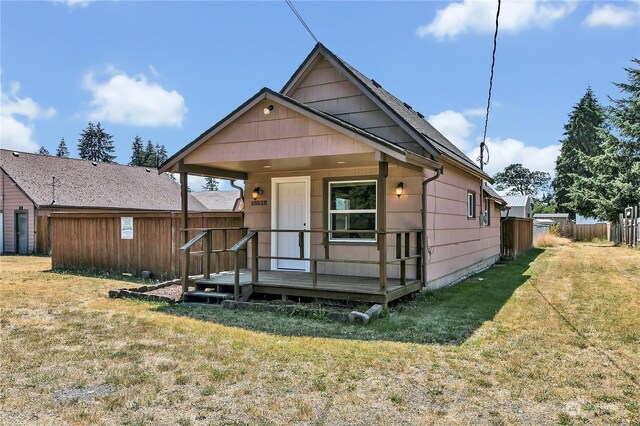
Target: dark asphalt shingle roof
(81,184)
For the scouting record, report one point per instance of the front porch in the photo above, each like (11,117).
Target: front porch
(241,283)
(301,284)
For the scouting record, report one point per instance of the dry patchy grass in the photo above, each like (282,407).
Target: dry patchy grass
(563,349)
(549,239)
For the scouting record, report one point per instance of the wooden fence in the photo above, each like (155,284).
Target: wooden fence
(627,230)
(517,236)
(93,241)
(583,232)
(43,235)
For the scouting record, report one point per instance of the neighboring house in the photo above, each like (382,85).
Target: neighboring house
(336,155)
(29,194)
(519,206)
(561,218)
(220,200)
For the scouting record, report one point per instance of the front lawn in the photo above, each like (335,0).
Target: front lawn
(555,341)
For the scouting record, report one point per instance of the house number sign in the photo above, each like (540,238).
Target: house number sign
(259,202)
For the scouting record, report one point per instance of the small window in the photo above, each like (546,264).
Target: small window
(352,210)
(471,205)
(487,211)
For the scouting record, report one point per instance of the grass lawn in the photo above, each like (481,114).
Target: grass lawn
(553,338)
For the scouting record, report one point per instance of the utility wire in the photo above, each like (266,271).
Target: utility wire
(295,12)
(486,119)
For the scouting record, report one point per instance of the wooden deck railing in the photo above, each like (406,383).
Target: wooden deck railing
(403,254)
(205,238)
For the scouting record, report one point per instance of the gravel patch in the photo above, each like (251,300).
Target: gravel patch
(84,394)
(173,291)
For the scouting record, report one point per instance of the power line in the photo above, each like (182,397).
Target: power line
(486,118)
(295,12)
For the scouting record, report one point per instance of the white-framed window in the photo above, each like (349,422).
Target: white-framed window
(471,205)
(487,211)
(352,210)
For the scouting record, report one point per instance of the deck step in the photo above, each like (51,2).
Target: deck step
(210,296)
(203,284)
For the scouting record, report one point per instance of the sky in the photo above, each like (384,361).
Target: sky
(167,71)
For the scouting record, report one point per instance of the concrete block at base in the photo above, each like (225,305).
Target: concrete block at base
(374,312)
(358,316)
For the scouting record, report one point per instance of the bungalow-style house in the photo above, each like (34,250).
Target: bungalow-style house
(33,186)
(519,206)
(350,192)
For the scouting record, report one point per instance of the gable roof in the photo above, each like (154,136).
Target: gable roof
(412,121)
(493,194)
(85,184)
(329,120)
(219,200)
(517,200)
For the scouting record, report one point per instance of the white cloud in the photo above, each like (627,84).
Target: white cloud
(473,16)
(609,15)
(74,3)
(17,116)
(503,152)
(454,126)
(134,100)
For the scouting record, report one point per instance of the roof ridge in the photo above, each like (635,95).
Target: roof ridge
(11,151)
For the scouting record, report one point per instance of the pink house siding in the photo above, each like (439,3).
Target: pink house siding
(457,242)
(12,199)
(327,90)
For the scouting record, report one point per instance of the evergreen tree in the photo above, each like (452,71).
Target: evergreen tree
(210,184)
(518,180)
(62,150)
(613,179)
(161,155)
(96,144)
(43,151)
(582,136)
(137,152)
(150,158)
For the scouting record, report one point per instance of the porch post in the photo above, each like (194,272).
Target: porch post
(184,224)
(383,171)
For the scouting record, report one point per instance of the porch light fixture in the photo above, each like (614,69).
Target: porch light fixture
(256,191)
(268,110)
(399,189)
(341,162)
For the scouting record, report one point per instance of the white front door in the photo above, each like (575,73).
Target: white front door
(291,205)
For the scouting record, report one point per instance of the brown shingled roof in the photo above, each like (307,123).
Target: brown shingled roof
(219,200)
(84,184)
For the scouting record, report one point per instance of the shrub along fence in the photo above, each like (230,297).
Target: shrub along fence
(100,241)
(583,232)
(517,236)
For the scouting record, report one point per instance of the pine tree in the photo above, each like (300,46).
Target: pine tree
(582,136)
(613,180)
(96,144)
(150,158)
(137,152)
(210,184)
(43,151)
(62,150)
(161,155)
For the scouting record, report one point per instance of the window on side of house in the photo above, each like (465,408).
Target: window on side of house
(352,211)
(471,205)
(487,211)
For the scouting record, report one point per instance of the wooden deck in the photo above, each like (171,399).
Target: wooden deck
(340,287)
